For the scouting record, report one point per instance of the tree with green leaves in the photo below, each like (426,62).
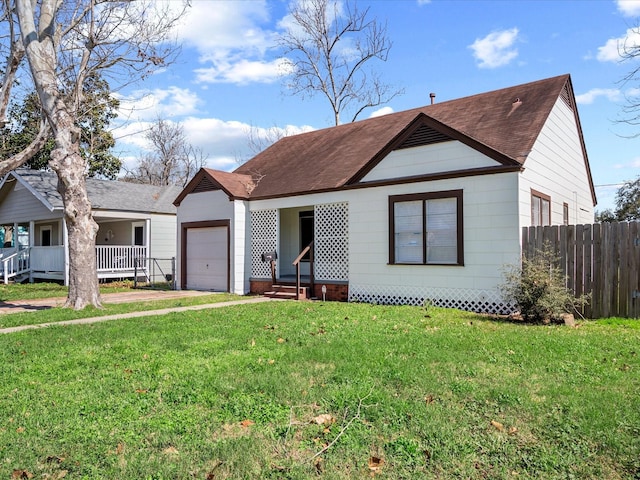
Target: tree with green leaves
(94,118)
(627,204)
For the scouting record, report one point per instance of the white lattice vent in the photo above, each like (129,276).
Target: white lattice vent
(480,301)
(331,243)
(264,238)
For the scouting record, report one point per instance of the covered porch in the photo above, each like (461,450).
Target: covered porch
(311,246)
(38,250)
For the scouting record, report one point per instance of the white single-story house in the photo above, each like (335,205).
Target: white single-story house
(136,222)
(421,205)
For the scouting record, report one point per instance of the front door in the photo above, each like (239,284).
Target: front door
(306,231)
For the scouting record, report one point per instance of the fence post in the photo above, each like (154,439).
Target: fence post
(173,273)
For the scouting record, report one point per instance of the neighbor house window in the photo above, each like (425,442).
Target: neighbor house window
(540,209)
(426,228)
(565,214)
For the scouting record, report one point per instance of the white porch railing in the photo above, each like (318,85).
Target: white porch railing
(15,264)
(47,259)
(118,258)
(110,259)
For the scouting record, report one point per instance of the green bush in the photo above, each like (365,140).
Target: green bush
(538,287)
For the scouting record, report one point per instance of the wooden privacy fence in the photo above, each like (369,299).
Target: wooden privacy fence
(602,260)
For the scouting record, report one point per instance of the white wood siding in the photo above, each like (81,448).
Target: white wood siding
(21,206)
(491,232)
(163,236)
(215,205)
(428,159)
(556,168)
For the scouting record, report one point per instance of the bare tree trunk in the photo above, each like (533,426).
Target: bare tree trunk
(65,160)
(82,229)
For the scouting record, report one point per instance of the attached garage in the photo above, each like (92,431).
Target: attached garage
(205,256)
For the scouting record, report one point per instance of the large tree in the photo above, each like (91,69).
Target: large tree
(65,45)
(331,44)
(94,118)
(171,160)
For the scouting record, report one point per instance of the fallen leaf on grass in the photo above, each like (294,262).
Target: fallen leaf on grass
(21,474)
(120,449)
(497,425)
(281,340)
(170,451)
(375,464)
(428,399)
(54,459)
(141,390)
(20,430)
(513,431)
(247,423)
(324,419)
(318,464)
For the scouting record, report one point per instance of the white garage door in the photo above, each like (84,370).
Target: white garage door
(207,262)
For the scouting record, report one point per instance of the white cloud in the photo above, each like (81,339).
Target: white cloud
(611,50)
(629,8)
(158,103)
(232,42)
(589,97)
(496,49)
(244,71)
(634,163)
(381,111)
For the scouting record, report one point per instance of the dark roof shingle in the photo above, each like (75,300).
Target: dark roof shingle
(107,194)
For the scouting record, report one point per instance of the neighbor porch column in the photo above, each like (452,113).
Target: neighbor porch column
(32,233)
(147,233)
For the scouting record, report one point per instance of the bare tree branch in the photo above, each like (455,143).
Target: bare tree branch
(331,44)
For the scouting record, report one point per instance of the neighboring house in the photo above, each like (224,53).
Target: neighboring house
(424,205)
(136,222)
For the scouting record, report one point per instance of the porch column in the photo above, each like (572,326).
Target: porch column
(16,245)
(65,242)
(147,234)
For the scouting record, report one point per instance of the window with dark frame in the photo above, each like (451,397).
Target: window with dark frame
(426,229)
(540,209)
(565,213)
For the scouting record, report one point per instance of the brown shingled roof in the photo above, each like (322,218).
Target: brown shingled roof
(503,124)
(235,185)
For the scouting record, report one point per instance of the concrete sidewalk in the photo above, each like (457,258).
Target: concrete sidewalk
(147,313)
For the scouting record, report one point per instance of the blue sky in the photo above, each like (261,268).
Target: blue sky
(228,80)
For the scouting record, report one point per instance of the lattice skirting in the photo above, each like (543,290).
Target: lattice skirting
(480,301)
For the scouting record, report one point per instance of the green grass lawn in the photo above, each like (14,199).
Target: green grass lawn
(30,291)
(13,292)
(297,390)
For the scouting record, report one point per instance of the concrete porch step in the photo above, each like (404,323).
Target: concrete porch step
(286,291)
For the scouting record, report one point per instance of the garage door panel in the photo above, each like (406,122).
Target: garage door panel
(207,258)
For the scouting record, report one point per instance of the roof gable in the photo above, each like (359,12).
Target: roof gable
(234,185)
